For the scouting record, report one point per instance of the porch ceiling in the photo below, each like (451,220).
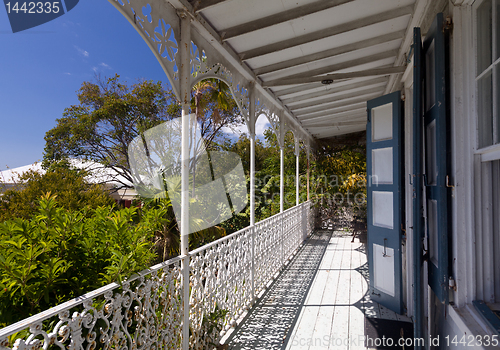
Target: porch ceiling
(291,45)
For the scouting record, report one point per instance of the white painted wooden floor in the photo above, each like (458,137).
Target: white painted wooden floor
(318,302)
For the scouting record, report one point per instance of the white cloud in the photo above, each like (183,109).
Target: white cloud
(102,64)
(82,51)
(94,69)
(67,73)
(260,126)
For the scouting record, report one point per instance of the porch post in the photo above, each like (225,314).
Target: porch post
(281,141)
(281,138)
(307,148)
(184,74)
(251,127)
(252,178)
(282,175)
(297,182)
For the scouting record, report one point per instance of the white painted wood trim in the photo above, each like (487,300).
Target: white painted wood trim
(467,320)
(492,153)
(209,34)
(408,74)
(408,142)
(469,145)
(419,11)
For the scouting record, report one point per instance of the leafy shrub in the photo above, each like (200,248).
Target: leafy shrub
(158,213)
(60,254)
(72,190)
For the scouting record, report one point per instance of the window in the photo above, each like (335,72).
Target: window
(487,35)
(487,195)
(488,72)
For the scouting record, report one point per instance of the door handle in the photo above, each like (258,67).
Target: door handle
(448,182)
(385,249)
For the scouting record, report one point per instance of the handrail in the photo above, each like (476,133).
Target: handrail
(53,311)
(225,238)
(221,277)
(220,240)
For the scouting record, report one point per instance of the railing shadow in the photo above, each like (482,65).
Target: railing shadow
(366,304)
(270,322)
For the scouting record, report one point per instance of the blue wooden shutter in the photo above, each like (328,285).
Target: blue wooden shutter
(436,160)
(417,179)
(384,162)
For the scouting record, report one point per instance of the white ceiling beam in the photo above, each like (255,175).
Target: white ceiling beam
(332,90)
(209,33)
(344,131)
(327,32)
(329,53)
(335,124)
(337,76)
(339,66)
(333,112)
(299,88)
(278,18)
(326,107)
(336,98)
(199,5)
(421,9)
(305,87)
(359,113)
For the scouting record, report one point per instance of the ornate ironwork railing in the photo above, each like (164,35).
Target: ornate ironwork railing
(146,312)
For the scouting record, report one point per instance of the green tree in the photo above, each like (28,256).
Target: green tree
(338,181)
(60,254)
(110,114)
(267,176)
(167,230)
(242,148)
(70,186)
(215,108)
(337,176)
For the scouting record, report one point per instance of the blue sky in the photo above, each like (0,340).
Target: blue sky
(42,68)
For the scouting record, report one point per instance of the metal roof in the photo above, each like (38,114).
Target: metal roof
(287,42)
(288,47)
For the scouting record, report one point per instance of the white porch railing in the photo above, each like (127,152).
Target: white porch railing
(146,312)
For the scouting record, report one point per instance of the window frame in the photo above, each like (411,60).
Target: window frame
(483,266)
(491,152)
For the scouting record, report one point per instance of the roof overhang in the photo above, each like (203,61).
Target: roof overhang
(314,63)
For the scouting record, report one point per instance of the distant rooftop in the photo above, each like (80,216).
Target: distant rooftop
(98,173)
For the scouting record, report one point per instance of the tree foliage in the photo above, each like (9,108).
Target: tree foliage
(267,176)
(109,116)
(167,230)
(111,113)
(337,176)
(60,254)
(215,108)
(340,168)
(70,186)
(339,179)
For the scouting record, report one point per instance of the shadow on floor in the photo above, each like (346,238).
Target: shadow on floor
(270,322)
(385,334)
